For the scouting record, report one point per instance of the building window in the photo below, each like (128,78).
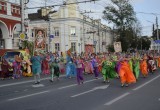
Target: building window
(57,47)
(5,7)
(56,31)
(18,11)
(73,46)
(0,7)
(73,31)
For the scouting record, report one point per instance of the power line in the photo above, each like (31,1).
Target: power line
(64,4)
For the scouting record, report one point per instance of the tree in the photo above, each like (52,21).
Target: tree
(29,45)
(122,15)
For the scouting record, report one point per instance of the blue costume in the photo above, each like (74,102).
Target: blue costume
(70,67)
(36,64)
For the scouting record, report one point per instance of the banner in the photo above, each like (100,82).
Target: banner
(40,38)
(117,47)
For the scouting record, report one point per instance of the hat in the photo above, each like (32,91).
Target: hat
(17,58)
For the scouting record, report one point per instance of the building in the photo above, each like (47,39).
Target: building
(10,18)
(155,45)
(70,30)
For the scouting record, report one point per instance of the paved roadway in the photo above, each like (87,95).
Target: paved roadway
(92,95)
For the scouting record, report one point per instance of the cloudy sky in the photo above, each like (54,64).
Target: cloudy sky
(144,6)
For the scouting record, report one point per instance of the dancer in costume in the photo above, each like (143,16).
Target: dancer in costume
(136,66)
(95,66)
(27,68)
(17,67)
(54,69)
(36,67)
(126,74)
(143,66)
(70,67)
(130,62)
(106,70)
(5,68)
(79,66)
(62,64)
(45,65)
(159,61)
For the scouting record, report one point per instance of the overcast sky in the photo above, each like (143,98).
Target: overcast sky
(147,6)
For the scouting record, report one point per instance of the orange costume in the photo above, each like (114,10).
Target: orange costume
(159,62)
(126,74)
(143,67)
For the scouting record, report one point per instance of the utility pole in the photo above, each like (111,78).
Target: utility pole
(49,33)
(157,31)
(99,36)
(22,16)
(157,27)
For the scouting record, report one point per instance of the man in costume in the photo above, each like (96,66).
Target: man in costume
(36,67)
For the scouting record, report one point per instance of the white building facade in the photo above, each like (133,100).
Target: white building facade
(72,30)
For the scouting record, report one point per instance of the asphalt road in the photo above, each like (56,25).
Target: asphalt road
(92,95)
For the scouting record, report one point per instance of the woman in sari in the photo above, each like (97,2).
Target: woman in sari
(136,66)
(144,66)
(126,74)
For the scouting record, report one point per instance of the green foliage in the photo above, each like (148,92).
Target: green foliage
(29,45)
(120,13)
(128,28)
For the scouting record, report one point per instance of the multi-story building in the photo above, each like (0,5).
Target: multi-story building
(10,18)
(71,30)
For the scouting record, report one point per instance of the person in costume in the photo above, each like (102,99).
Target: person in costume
(36,67)
(79,66)
(54,69)
(62,64)
(158,61)
(126,74)
(136,66)
(108,70)
(27,68)
(95,66)
(5,68)
(130,62)
(150,63)
(70,67)
(45,65)
(17,67)
(143,66)
(88,66)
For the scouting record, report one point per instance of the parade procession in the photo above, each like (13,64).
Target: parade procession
(79,55)
(127,67)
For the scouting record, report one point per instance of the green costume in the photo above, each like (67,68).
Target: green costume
(131,64)
(136,67)
(108,70)
(54,70)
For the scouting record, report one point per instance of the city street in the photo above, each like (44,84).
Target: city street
(65,94)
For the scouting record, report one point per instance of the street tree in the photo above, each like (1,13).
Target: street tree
(123,17)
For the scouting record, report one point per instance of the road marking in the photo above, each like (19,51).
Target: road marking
(27,96)
(116,99)
(26,90)
(72,85)
(16,91)
(38,85)
(146,83)
(159,99)
(18,83)
(94,89)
